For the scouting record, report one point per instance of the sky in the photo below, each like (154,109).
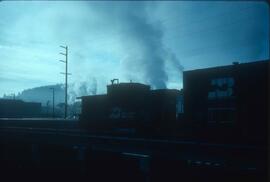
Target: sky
(146,42)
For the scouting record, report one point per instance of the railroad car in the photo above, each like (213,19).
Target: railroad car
(130,108)
(225,104)
(228,103)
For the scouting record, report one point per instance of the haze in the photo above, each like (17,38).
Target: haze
(147,42)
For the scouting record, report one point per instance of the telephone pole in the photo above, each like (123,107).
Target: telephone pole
(52,101)
(66,76)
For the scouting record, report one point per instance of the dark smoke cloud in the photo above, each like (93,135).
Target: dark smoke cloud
(146,54)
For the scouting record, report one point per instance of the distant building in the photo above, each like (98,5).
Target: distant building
(19,109)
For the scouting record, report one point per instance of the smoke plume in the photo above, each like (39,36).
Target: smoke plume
(146,54)
(83,88)
(106,40)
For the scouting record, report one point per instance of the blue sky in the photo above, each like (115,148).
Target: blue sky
(148,42)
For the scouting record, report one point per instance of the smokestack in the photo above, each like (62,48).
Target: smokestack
(115,79)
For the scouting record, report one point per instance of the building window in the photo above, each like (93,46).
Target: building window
(221,88)
(221,115)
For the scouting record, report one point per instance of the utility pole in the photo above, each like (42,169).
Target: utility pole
(48,102)
(66,76)
(53,102)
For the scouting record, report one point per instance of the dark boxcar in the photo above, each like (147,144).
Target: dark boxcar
(127,101)
(19,109)
(228,103)
(123,109)
(129,108)
(164,110)
(94,111)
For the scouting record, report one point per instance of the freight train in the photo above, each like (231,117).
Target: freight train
(130,108)
(227,104)
(220,104)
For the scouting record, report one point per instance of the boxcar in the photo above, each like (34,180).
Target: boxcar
(228,103)
(130,108)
